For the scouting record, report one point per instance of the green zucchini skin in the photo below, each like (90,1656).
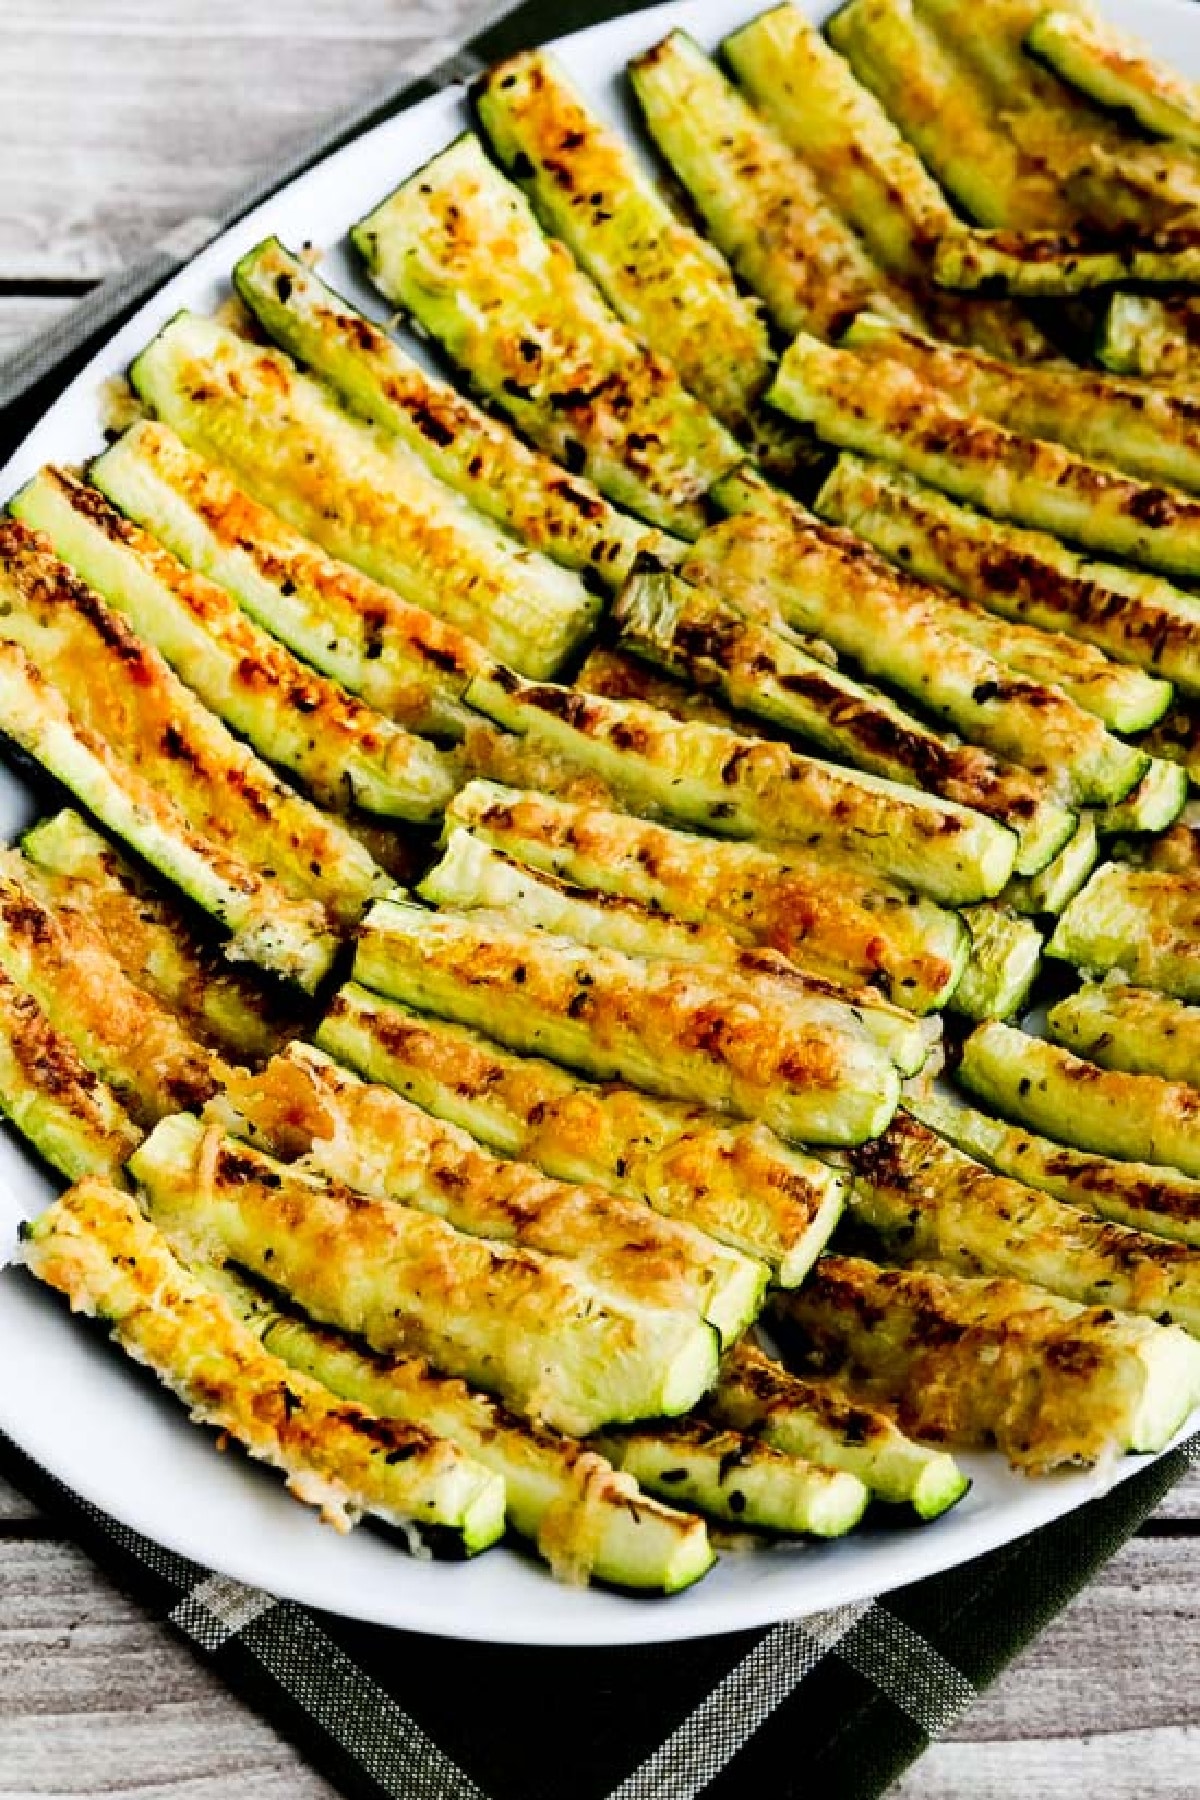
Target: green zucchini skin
(670,285)
(702,776)
(931,1204)
(1177,739)
(1080,1382)
(1042,1086)
(823,916)
(884,410)
(1006,954)
(359,492)
(819,1421)
(526,1327)
(124,764)
(1145,922)
(456,242)
(344,754)
(1051,891)
(760,202)
(759,670)
(1153,1199)
(1043,265)
(1152,806)
(1030,579)
(709,1037)
(556,513)
(587,1521)
(94,1245)
(737,1182)
(739,1479)
(1114,70)
(1124,1027)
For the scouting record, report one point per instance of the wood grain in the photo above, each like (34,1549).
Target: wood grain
(23,314)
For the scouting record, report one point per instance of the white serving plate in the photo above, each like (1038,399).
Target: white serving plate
(81,1412)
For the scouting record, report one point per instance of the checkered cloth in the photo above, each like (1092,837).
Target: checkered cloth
(835,1704)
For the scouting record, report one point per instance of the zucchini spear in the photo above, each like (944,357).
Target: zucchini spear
(1057,884)
(1132,1028)
(1150,335)
(737,1182)
(1153,805)
(1115,1114)
(1006,954)
(586,1520)
(1117,71)
(1144,922)
(529,1328)
(970,1362)
(1054,264)
(359,492)
(95,1246)
(558,514)
(801,1064)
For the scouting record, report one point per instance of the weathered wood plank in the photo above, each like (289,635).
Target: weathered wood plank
(21,315)
(1133,1765)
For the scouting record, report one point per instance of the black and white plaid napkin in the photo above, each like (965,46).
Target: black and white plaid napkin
(835,1705)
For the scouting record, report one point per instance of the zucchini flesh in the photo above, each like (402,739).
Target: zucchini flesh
(94,1245)
(1006,954)
(756,668)
(71,1117)
(758,1052)
(400,659)
(551,511)
(1030,579)
(1177,739)
(974,1361)
(1119,72)
(586,1520)
(344,754)
(1060,881)
(700,775)
(1156,1200)
(738,1479)
(882,409)
(900,631)
(1153,805)
(669,284)
(1053,264)
(359,492)
(154,941)
(1042,1086)
(760,202)
(459,247)
(1150,335)
(817,1420)
(371,1139)
(471,876)
(823,916)
(1124,1027)
(933,1205)
(737,1182)
(1144,922)
(529,1328)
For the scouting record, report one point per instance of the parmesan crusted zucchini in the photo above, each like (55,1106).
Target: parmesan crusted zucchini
(738,1479)
(1153,805)
(669,284)
(401,659)
(1117,71)
(1132,1028)
(882,409)
(529,1328)
(696,634)
(1052,264)
(1144,922)
(816,1420)
(1006,953)
(69,1116)
(1150,335)
(471,876)
(1028,578)
(971,1362)
(586,1520)
(712,1037)
(371,1139)
(905,633)
(1048,1089)
(71,730)
(95,1247)
(1157,1200)
(760,202)
(155,942)
(933,1205)
(559,514)
(344,753)
(700,775)
(823,916)
(359,492)
(1060,881)
(460,248)
(737,1182)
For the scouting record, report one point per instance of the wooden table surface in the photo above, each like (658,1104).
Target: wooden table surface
(118,118)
